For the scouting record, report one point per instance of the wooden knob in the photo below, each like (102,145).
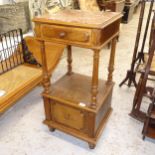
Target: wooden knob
(87,37)
(62,34)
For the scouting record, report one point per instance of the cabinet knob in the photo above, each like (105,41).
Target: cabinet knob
(62,34)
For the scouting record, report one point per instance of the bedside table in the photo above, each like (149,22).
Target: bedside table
(77,104)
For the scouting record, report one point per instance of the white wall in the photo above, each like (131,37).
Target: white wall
(4,2)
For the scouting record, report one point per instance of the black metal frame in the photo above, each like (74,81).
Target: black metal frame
(14,51)
(11,50)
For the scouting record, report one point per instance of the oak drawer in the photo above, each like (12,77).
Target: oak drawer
(67,116)
(65,33)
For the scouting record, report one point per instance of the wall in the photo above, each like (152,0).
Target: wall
(14,16)
(4,2)
(9,1)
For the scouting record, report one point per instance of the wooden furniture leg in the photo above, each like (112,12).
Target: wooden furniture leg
(111,62)
(91,146)
(46,75)
(69,59)
(94,90)
(47,107)
(48,68)
(46,83)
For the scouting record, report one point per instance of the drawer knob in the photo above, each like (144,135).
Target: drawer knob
(62,34)
(86,36)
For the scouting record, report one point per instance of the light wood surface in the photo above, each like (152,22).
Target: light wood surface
(16,83)
(84,19)
(53,53)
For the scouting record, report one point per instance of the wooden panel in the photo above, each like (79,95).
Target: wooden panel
(103,110)
(34,47)
(109,31)
(64,33)
(68,116)
(53,52)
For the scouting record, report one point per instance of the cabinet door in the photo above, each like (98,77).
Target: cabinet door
(67,116)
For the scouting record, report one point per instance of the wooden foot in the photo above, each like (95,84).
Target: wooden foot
(143,137)
(91,146)
(51,129)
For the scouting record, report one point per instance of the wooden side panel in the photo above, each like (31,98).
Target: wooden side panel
(53,52)
(109,32)
(90,124)
(103,110)
(34,46)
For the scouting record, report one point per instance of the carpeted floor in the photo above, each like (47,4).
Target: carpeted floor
(23,133)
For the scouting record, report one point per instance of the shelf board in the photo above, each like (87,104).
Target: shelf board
(76,89)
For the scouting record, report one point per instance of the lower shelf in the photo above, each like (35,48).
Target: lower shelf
(76,89)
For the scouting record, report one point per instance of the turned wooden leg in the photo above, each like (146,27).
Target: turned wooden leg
(94,90)
(47,108)
(91,145)
(46,75)
(46,83)
(111,62)
(69,59)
